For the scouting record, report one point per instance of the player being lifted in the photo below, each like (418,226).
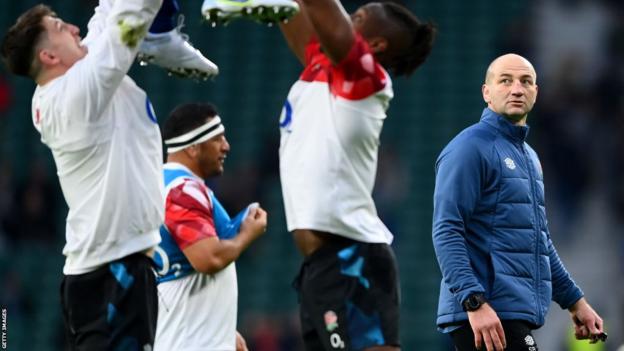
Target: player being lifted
(330,125)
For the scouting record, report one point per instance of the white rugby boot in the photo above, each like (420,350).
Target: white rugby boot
(173,52)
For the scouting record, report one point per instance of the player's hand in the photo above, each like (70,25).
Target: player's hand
(587,323)
(241,345)
(487,329)
(256,222)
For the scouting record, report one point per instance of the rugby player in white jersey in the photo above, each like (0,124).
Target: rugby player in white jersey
(198,290)
(348,284)
(106,144)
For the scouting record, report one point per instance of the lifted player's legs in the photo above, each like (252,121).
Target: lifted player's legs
(166,46)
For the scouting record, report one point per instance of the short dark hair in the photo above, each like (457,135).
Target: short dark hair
(18,45)
(187,117)
(421,38)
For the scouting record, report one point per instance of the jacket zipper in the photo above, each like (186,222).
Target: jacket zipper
(537,233)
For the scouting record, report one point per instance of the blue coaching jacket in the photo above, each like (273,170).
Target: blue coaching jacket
(489,226)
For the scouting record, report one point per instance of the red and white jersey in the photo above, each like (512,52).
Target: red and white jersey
(189,218)
(196,311)
(330,127)
(188,207)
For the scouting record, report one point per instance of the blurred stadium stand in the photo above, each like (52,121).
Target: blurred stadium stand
(257,70)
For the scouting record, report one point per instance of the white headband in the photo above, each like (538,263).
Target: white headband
(195,136)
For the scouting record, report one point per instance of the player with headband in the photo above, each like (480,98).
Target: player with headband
(195,261)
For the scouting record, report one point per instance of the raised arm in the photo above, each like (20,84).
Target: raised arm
(111,12)
(98,21)
(115,32)
(298,32)
(326,19)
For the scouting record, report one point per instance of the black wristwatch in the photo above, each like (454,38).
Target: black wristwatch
(473,302)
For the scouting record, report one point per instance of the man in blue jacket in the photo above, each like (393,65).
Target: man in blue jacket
(499,266)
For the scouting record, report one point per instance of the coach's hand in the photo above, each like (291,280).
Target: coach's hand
(487,329)
(587,323)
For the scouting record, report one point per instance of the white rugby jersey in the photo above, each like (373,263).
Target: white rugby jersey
(330,127)
(106,144)
(196,311)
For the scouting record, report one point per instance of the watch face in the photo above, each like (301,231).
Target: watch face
(474,302)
